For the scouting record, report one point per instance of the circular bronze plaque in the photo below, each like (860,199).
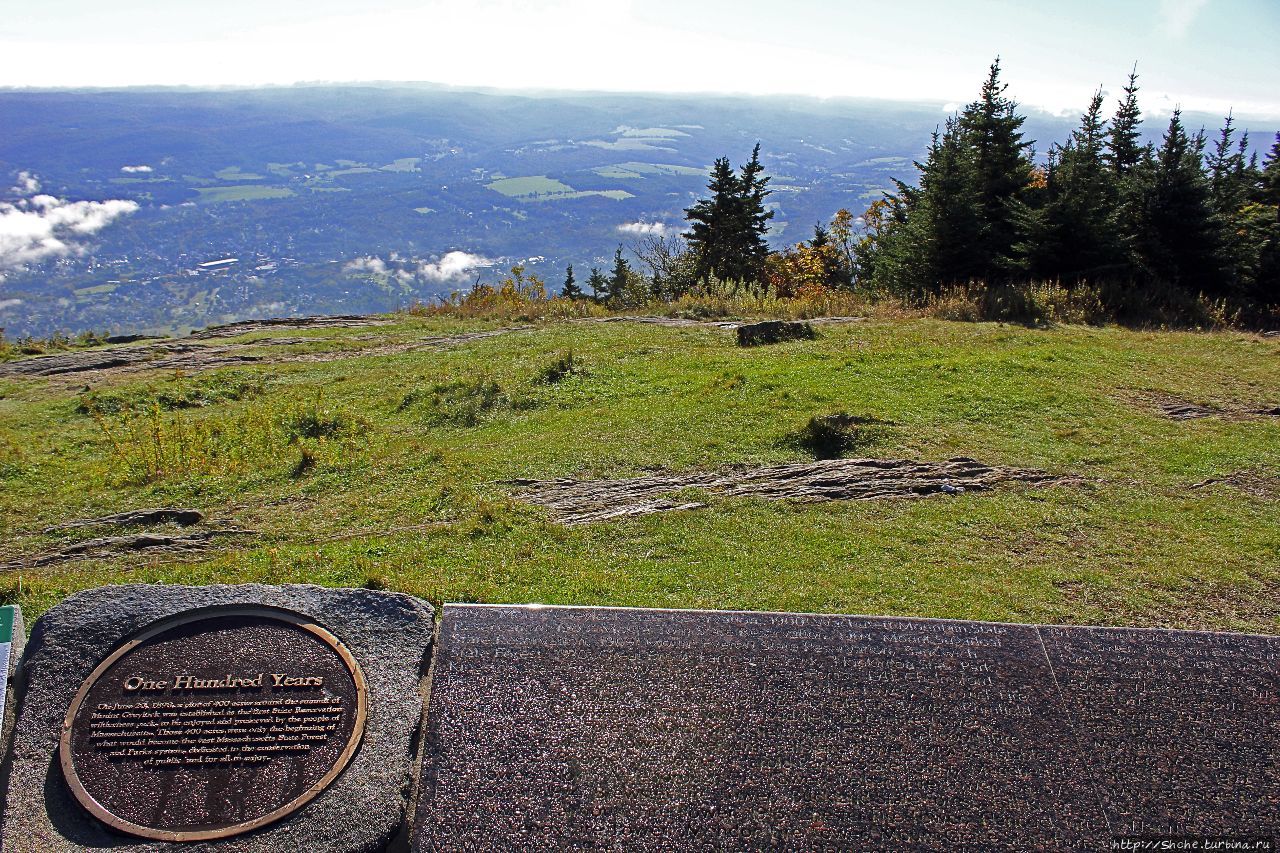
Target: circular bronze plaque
(212,723)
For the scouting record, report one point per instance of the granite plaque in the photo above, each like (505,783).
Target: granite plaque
(1181,728)
(248,718)
(556,727)
(213,723)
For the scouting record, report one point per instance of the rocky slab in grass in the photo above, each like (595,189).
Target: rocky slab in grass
(1259,484)
(1177,409)
(135,518)
(574,502)
(245,327)
(773,332)
(194,357)
(152,544)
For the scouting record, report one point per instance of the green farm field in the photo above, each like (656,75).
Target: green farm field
(382,456)
(242,192)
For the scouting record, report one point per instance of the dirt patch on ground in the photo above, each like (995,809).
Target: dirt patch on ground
(1177,409)
(196,357)
(1255,483)
(573,502)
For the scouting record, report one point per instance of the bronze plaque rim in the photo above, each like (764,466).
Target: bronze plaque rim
(280,614)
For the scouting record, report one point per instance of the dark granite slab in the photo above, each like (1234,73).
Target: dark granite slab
(635,729)
(1181,729)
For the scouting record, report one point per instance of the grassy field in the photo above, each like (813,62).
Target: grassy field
(542,188)
(639,170)
(388,470)
(246,192)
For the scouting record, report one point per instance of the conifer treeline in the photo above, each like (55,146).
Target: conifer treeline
(1142,231)
(1139,222)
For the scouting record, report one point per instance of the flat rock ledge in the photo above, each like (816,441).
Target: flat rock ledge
(363,810)
(573,502)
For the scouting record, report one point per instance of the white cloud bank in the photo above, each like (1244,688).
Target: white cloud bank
(26,185)
(38,227)
(645,229)
(454,265)
(133,169)
(451,267)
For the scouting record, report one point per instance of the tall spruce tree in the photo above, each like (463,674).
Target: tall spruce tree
(1233,178)
(570,289)
(932,234)
(1269,181)
(1125,150)
(992,131)
(1132,166)
(962,222)
(1072,236)
(727,230)
(1177,234)
(1266,213)
(754,217)
(599,285)
(620,276)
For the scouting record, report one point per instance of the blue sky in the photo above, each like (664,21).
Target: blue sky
(1203,54)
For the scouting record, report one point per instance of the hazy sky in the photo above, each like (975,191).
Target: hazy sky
(1204,54)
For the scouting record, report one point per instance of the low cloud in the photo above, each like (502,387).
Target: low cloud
(132,169)
(26,184)
(9,303)
(453,265)
(644,229)
(41,227)
(377,266)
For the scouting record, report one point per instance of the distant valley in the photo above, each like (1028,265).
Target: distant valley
(168,210)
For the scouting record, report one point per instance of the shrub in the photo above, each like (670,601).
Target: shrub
(835,435)
(314,420)
(460,402)
(560,367)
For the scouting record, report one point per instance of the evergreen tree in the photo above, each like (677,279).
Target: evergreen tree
(1269,182)
(1073,236)
(991,130)
(821,236)
(599,285)
(1124,148)
(1231,176)
(931,233)
(754,218)
(618,279)
(1265,215)
(1132,166)
(1233,179)
(1177,232)
(570,289)
(726,232)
